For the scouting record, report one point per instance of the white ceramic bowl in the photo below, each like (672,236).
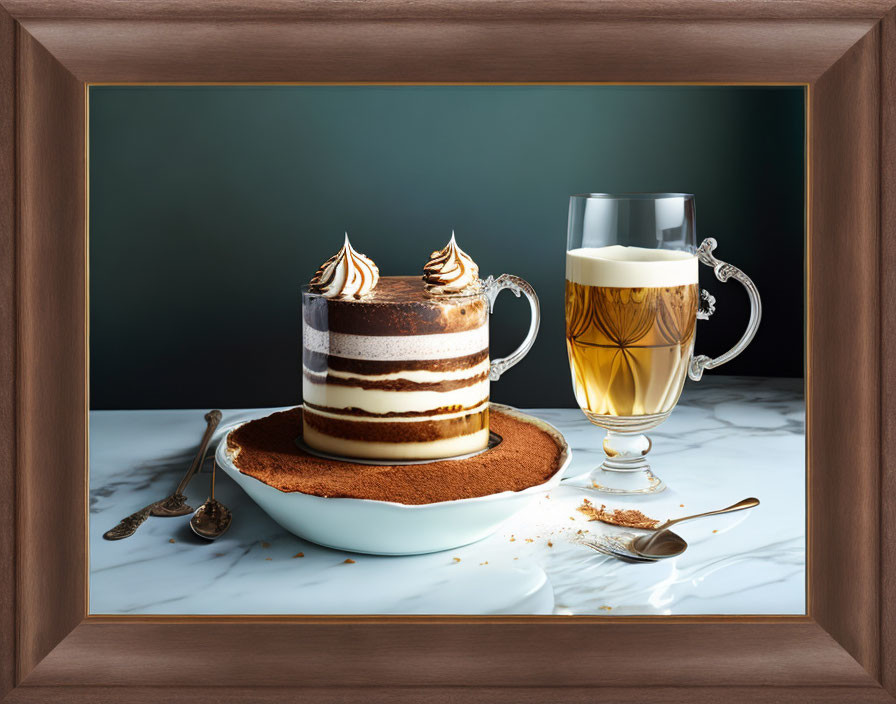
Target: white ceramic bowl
(387,528)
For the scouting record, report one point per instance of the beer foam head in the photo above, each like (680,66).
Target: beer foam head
(630,267)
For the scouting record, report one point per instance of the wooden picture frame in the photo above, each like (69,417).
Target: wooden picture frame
(843,650)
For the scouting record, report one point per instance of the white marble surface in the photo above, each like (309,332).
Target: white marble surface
(729,438)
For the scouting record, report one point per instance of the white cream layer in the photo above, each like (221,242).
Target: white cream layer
(630,267)
(381,401)
(445,447)
(415,375)
(396,347)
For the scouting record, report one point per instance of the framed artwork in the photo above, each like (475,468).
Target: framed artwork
(170,274)
(70,71)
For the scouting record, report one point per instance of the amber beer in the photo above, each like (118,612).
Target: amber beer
(629,345)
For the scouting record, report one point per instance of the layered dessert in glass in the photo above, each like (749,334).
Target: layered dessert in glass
(395,367)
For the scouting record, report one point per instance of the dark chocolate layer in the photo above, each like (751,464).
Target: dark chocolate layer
(319,362)
(407,431)
(399,305)
(397,384)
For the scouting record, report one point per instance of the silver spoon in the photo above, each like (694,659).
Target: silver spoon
(664,543)
(212,519)
(174,505)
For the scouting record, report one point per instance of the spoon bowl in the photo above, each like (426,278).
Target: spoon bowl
(667,544)
(211,520)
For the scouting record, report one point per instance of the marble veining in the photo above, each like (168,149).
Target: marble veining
(729,438)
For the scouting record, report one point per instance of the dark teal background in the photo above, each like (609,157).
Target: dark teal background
(210,206)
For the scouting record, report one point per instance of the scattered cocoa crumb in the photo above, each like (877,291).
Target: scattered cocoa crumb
(348,561)
(484,563)
(572,518)
(529,540)
(550,544)
(170,540)
(606,608)
(456,559)
(715,531)
(680,505)
(512,539)
(516,558)
(220,554)
(268,559)
(265,545)
(579,531)
(628,518)
(298,554)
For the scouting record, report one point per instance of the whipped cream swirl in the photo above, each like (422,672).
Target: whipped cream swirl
(450,270)
(346,273)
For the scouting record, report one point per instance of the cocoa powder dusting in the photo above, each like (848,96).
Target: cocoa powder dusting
(267,451)
(627,518)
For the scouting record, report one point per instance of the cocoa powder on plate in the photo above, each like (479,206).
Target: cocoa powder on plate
(527,456)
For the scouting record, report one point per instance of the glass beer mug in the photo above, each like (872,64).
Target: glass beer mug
(632,305)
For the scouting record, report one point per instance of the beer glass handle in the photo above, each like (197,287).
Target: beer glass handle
(725,271)
(491,287)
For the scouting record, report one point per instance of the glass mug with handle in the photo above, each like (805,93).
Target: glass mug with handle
(632,304)
(400,374)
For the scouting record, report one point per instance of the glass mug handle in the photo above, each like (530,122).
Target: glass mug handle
(724,271)
(491,287)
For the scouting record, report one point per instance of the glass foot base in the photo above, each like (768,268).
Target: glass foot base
(625,469)
(616,482)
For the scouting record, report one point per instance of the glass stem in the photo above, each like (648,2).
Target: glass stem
(626,452)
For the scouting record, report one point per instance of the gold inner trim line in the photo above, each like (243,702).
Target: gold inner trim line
(190,84)
(297,618)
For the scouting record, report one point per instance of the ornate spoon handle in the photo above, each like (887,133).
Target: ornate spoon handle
(128,526)
(176,504)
